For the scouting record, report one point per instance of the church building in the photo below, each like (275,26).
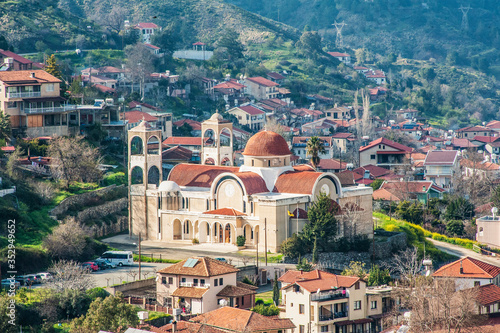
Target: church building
(264,200)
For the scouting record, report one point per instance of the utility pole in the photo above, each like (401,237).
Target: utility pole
(339,43)
(140,255)
(465,20)
(265,238)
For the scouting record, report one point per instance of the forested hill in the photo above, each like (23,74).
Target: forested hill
(413,28)
(66,24)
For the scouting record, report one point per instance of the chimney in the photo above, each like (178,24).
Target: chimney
(461,268)
(32,75)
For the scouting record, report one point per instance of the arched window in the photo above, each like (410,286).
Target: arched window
(225,137)
(136,176)
(154,145)
(136,146)
(210,139)
(154,175)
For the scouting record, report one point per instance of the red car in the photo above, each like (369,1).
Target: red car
(90,266)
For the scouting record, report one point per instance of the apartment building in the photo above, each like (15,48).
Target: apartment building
(31,98)
(261,88)
(318,301)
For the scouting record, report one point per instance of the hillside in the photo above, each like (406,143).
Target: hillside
(412,28)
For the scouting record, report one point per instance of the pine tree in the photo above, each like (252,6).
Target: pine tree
(53,68)
(315,251)
(5,126)
(276,291)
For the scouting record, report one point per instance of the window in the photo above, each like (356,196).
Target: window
(12,105)
(372,157)
(168,302)
(202,282)
(301,329)
(374,304)
(170,280)
(183,280)
(301,308)
(50,87)
(216,282)
(221,281)
(477,283)
(357,305)
(237,301)
(163,280)
(324,328)
(242,300)
(195,282)
(356,285)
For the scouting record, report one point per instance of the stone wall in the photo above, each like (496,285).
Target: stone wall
(131,286)
(250,271)
(82,199)
(394,243)
(102,210)
(106,229)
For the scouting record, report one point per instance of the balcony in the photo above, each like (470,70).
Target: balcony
(24,94)
(50,109)
(191,284)
(333,316)
(321,297)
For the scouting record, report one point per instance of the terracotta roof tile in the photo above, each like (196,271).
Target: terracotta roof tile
(183,141)
(190,292)
(387,142)
(267,143)
(251,110)
(18,77)
(331,163)
(488,294)
(462,143)
(441,157)
(383,194)
(407,187)
(205,266)
(234,291)
(146,25)
(246,285)
(317,280)
(197,175)
(474,129)
(296,182)
(177,153)
(240,320)
(225,211)
(16,57)
(189,327)
(375,170)
(136,116)
(275,76)
(262,81)
(481,165)
(346,178)
(253,182)
(338,54)
(472,268)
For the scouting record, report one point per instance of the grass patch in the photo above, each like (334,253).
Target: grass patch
(157,260)
(265,296)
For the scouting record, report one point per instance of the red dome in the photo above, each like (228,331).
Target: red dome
(267,143)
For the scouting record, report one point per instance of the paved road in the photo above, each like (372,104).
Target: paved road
(109,277)
(463,252)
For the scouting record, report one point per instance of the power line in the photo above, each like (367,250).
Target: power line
(339,43)
(465,20)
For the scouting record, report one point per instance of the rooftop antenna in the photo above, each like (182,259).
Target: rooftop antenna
(339,41)
(465,20)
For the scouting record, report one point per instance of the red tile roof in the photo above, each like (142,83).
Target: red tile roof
(240,320)
(383,194)
(342,135)
(386,142)
(195,125)
(225,211)
(276,76)
(16,57)
(252,182)
(146,25)
(474,129)
(229,85)
(338,54)
(317,280)
(441,157)
(485,139)
(235,291)
(302,112)
(494,124)
(9,149)
(190,292)
(262,81)
(197,175)
(104,89)
(375,171)
(204,266)
(22,77)
(331,164)
(251,110)
(267,143)
(407,187)
(296,182)
(177,153)
(481,165)
(462,143)
(472,268)
(488,294)
(186,327)
(136,116)
(151,46)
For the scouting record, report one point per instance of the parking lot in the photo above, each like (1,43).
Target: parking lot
(111,276)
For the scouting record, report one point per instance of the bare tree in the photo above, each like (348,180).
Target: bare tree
(350,218)
(406,265)
(367,121)
(140,63)
(67,241)
(68,274)
(45,190)
(73,159)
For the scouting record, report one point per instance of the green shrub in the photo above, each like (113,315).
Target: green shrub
(240,240)
(195,241)
(117,178)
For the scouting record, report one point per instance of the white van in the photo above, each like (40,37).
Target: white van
(119,258)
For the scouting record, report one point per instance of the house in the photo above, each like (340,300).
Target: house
(318,301)
(176,155)
(31,98)
(231,91)
(361,69)
(383,152)
(493,125)
(374,172)
(276,77)
(236,320)
(408,114)
(199,284)
(488,299)
(377,75)
(488,229)
(468,273)
(249,115)
(191,143)
(261,88)
(302,116)
(470,132)
(134,118)
(153,49)
(493,148)
(441,166)
(339,112)
(103,111)
(343,141)
(377,93)
(217,203)
(480,169)
(420,191)
(342,57)
(331,165)
(10,61)
(146,31)
(299,146)
(195,125)
(323,126)
(459,144)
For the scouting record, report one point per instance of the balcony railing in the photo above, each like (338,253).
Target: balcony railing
(191,284)
(329,296)
(24,94)
(333,316)
(50,109)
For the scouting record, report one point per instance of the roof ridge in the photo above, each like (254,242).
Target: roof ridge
(474,261)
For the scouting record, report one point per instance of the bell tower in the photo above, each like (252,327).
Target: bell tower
(217,141)
(145,175)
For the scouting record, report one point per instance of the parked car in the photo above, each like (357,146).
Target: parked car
(24,280)
(101,264)
(221,259)
(106,263)
(90,266)
(45,276)
(34,278)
